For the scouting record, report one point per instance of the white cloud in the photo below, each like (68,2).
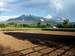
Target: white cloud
(42,20)
(63,18)
(1,4)
(54,7)
(58,4)
(4,18)
(5,5)
(58,19)
(48,17)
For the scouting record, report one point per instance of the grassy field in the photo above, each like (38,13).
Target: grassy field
(37,29)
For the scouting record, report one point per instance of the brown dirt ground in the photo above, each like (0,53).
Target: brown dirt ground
(44,47)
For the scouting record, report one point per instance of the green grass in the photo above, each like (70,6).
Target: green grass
(18,29)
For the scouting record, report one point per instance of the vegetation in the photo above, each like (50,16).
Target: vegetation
(2,25)
(64,26)
(23,25)
(66,23)
(61,29)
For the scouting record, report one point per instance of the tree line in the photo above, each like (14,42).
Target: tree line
(64,24)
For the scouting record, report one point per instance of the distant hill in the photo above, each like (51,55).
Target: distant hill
(28,19)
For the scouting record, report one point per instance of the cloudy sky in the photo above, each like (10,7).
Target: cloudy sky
(45,8)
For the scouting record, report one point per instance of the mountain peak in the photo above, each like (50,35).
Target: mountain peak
(27,18)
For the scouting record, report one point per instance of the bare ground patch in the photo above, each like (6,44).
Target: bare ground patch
(35,44)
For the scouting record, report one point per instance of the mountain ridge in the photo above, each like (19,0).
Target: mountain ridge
(31,19)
